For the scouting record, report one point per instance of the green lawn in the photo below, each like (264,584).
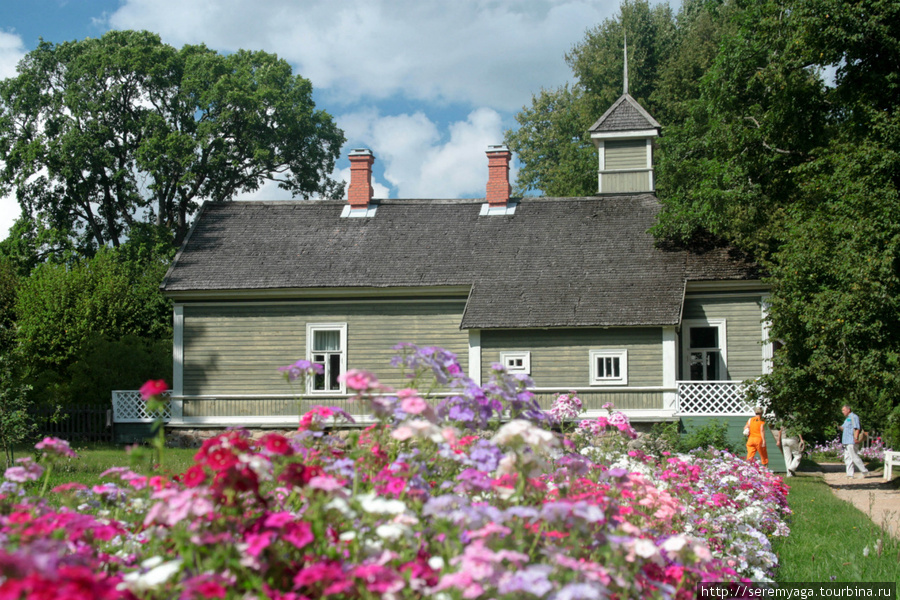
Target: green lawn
(829,537)
(93,459)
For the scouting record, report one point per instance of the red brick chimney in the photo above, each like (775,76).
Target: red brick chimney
(498,188)
(360,192)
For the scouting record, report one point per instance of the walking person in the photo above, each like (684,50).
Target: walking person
(850,438)
(789,438)
(756,437)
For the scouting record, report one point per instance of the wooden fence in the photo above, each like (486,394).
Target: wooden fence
(82,423)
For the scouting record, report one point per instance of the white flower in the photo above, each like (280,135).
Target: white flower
(374,504)
(674,544)
(159,572)
(520,432)
(866,551)
(646,549)
(436,563)
(391,531)
(507,464)
(259,464)
(347,536)
(341,505)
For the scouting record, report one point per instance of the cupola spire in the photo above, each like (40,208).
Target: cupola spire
(625,51)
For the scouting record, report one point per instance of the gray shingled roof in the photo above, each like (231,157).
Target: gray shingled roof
(624,115)
(556,262)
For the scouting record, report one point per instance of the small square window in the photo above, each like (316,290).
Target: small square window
(516,362)
(609,367)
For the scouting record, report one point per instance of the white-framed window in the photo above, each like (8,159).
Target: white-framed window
(326,344)
(516,362)
(704,350)
(609,367)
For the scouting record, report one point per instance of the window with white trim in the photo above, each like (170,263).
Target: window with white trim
(516,362)
(326,345)
(609,367)
(704,350)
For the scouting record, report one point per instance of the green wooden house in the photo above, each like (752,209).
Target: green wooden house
(572,291)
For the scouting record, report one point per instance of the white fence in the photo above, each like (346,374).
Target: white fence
(712,398)
(130,407)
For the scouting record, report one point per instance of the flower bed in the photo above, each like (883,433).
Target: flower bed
(833,451)
(444,500)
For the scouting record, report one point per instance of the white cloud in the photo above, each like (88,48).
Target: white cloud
(470,51)
(9,212)
(11,52)
(417,162)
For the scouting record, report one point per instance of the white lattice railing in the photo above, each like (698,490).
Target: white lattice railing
(130,407)
(719,398)
(713,398)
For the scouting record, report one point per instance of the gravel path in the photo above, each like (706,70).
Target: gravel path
(872,495)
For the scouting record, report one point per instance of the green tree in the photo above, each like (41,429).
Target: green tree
(804,174)
(100,134)
(17,424)
(60,307)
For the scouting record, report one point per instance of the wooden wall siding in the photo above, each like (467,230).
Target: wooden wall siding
(621,399)
(262,407)
(743,323)
(237,349)
(636,181)
(561,357)
(625,154)
(291,408)
(271,407)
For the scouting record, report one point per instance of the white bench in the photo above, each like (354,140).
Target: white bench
(891,458)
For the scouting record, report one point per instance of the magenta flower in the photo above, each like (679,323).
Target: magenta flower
(55,446)
(276,443)
(153,388)
(298,533)
(194,476)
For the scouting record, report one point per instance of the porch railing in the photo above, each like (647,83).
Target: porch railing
(130,407)
(713,398)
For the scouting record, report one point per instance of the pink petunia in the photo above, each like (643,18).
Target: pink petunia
(153,388)
(55,446)
(413,405)
(27,470)
(360,381)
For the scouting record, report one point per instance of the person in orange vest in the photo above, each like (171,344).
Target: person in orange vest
(756,437)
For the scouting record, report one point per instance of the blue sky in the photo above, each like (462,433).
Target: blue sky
(426,85)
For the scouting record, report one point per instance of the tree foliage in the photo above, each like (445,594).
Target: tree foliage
(61,307)
(100,134)
(804,174)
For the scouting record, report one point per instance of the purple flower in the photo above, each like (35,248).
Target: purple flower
(471,480)
(532,579)
(582,591)
(301,369)
(485,456)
